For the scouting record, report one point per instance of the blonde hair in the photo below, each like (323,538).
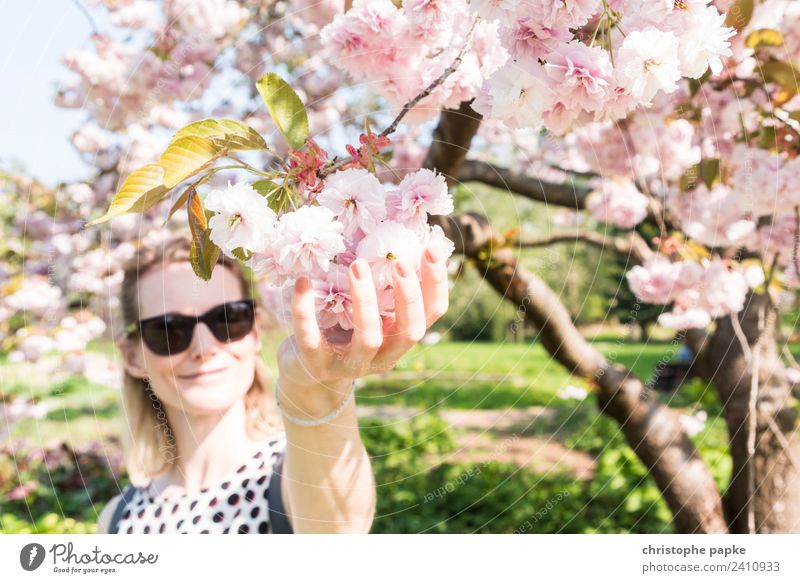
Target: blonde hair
(149,446)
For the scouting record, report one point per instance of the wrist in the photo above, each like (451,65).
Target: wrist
(311,401)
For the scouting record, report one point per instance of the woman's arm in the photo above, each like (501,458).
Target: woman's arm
(329,482)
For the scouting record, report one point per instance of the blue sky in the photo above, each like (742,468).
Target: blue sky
(34,132)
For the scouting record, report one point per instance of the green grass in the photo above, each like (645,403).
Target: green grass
(533,378)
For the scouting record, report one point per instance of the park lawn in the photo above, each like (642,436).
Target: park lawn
(532,377)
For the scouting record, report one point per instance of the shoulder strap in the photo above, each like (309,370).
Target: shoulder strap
(127,494)
(277,513)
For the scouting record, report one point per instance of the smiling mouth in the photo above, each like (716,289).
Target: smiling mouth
(203,374)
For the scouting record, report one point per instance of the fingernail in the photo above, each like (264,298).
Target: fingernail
(431,255)
(400,265)
(357,271)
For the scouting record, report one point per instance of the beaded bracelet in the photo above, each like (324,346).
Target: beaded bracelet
(315,422)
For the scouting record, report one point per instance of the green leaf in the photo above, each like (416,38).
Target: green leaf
(739,14)
(689,179)
(278,196)
(203,252)
(767,138)
(241,254)
(186,157)
(224,133)
(265,187)
(198,221)
(286,109)
(764,37)
(141,190)
(280,201)
(782,73)
(707,170)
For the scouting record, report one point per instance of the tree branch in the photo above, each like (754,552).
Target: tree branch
(632,246)
(571,194)
(565,194)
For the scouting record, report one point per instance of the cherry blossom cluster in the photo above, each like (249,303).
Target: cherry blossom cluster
(59,284)
(353,216)
(757,208)
(723,175)
(399,51)
(750,208)
(187,37)
(593,60)
(699,291)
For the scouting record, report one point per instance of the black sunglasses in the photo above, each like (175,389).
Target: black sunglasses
(172,333)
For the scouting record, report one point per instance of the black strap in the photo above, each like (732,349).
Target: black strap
(277,513)
(127,494)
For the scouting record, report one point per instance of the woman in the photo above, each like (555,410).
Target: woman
(204,447)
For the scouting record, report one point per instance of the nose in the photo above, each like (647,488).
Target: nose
(204,344)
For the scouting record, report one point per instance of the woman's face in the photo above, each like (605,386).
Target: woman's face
(174,287)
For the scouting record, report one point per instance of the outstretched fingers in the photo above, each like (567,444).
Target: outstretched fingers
(367,328)
(304,318)
(435,285)
(409,326)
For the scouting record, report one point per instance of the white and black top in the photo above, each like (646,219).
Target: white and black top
(247,500)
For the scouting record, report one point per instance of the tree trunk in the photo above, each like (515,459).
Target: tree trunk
(776,491)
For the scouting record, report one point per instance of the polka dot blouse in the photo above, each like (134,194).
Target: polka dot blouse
(237,504)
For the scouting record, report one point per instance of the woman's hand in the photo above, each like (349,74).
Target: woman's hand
(316,373)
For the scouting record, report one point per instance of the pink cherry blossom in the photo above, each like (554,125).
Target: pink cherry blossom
(503,10)
(530,39)
(712,217)
(518,94)
(419,194)
(572,14)
(683,318)
(580,75)
(659,281)
(242,218)
(356,198)
(435,239)
(90,138)
(306,240)
(384,245)
(332,296)
(35,295)
(618,202)
(703,43)
(722,290)
(647,62)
